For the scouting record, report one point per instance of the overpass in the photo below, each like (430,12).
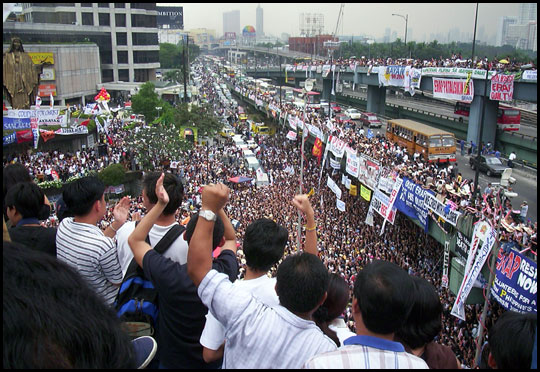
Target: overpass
(376,102)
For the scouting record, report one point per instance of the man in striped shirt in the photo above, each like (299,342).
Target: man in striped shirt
(381,303)
(82,245)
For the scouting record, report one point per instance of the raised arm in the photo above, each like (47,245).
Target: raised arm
(199,260)
(137,239)
(229,234)
(121,214)
(301,202)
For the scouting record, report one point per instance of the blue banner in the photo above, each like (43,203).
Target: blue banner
(12,138)
(410,201)
(16,123)
(515,282)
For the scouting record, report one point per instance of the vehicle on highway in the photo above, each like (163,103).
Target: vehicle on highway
(341,118)
(313,99)
(433,144)
(508,118)
(227,131)
(353,113)
(370,120)
(335,107)
(489,164)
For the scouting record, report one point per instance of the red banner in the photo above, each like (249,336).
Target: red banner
(25,136)
(317,148)
(47,134)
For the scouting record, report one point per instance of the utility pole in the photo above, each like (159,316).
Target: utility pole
(186,45)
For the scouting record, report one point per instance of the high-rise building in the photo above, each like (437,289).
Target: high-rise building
(259,25)
(126,34)
(502,32)
(231,22)
(527,12)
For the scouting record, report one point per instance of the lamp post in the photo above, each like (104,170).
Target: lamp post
(406,18)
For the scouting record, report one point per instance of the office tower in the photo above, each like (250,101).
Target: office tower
(502,32)
(259,25)
(231,22)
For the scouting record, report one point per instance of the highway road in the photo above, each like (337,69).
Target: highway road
(438,107)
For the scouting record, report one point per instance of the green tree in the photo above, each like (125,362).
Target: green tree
(170,56)
(157,144)
(176,76)
(113,175)
(146,101)
(201,117)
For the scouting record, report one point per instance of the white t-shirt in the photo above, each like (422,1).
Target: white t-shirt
(177,252)
(342,330)
(262,288)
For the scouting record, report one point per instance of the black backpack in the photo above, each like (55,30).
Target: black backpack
(137,301)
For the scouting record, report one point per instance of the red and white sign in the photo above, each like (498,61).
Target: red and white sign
(45,90)
(453,89)
(502,88)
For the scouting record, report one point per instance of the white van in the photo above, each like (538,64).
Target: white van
(247,152)
(251,162)
(237,139)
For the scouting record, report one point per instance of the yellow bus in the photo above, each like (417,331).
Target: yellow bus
(434,145)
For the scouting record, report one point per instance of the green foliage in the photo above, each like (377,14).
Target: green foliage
(172,56)
(113,175)
(155,144)
(201,117)
(146,101)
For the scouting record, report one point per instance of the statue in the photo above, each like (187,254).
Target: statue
(21,79)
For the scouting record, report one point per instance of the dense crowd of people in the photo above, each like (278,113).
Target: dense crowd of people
(346,244)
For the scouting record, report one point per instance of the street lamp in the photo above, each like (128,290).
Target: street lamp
(406,18)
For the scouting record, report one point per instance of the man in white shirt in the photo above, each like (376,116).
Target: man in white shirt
(263,246)
(259,336)
(178,249)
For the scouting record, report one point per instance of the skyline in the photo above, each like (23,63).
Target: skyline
(425,22)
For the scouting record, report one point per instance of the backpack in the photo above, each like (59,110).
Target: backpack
(137,301)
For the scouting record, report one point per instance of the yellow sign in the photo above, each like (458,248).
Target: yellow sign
(311,192)
(39,58)
(365,192)
(352,190)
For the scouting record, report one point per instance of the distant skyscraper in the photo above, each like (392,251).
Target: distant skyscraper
(259,25)
(502,32)
(231,22)
(527,12)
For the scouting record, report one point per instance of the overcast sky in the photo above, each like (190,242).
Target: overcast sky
(359,19)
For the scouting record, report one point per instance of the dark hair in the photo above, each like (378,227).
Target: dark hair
(219,230)
(27,198)
(334,305)
(53,319)
(13,174)
(384,294)
(424,321)
(511,340)
(264,244)
(81,194)
(172,184)
(301,281)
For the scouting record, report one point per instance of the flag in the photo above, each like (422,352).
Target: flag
(46,134)
(317,149)
(110,140)
(38,102)
(311,192)
(85,123)
(52,100)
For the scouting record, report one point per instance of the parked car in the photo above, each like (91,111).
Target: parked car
(489,164)
(353,113)
(370,120)
(341,118)
(335,107)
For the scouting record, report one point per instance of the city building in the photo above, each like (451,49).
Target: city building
(203,37)
(502,32)
(125,33)
(311,45)
(259,25)
(231,22)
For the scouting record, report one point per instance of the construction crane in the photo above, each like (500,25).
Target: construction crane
(339,20)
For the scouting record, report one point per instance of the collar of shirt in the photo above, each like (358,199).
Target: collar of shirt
(375,342)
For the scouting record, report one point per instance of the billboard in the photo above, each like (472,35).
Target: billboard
(170,17)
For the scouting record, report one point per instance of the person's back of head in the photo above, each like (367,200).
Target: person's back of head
(81,194)
(53,319)
(511,340)
(217,235)
(301,282)
(424,321)
(27,199)
(264,244)
(171,183)
(336,301)
(13,174)
(384,294)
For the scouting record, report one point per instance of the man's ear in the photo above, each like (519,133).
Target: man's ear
(491,361)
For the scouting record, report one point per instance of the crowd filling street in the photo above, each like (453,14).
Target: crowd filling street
(345,242)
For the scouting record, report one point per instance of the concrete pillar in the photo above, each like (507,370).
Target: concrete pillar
(327,89)
(376,99)
(490,120)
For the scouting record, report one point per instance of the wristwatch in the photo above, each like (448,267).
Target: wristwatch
(207,215)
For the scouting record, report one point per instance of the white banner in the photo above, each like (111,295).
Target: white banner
(335,163)
(352,165)
(69,131)
(391,201)
(340,205)
(379,202)
(444,278)
(441,210)
(502,88)
(337,146)
(334,187)
(459,72)
(529,75)
(291,135)
(458,310)
(453,89)
(392,76)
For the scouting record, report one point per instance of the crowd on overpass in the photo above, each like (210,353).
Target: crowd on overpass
(346,243)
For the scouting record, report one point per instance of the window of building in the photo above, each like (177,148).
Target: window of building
(142,20)
(119,5)
(123,74)
(105,56)
(103,5)
(141,75)
(104,19)
(120,20)
(145,38)
(145,56)
(86,5)
(87,19)
(107,76)
(121,38)
(122,56)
